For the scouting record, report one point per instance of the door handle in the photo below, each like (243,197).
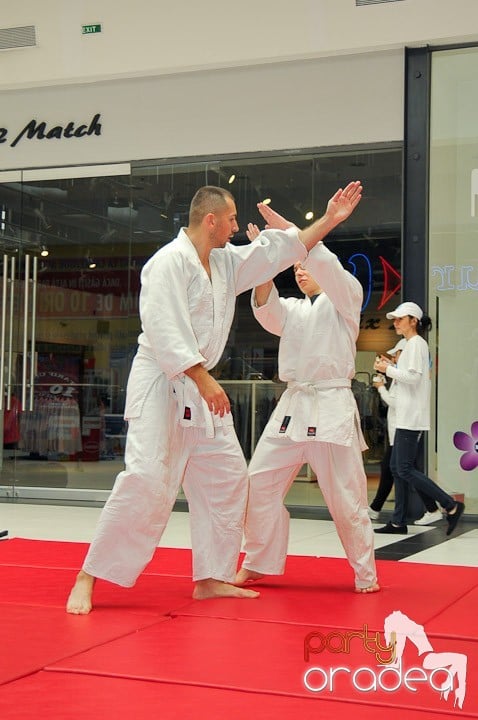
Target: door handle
(34,328)
(3,328)
(26,291)
(26,314)
(8,403)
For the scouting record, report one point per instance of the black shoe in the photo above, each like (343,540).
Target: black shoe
(390,529)
(452,520)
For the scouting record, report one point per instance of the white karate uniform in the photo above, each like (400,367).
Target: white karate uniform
(172,437)
(316,421)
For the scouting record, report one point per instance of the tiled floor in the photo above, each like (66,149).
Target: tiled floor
(307,537)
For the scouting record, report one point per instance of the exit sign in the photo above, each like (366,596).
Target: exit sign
(90,29)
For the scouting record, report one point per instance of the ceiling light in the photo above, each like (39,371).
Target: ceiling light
(231,179)
(309,215)
(266,201)
(44,252)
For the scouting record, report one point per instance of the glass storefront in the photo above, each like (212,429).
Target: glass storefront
(453,258)
(68,328)
(73,242)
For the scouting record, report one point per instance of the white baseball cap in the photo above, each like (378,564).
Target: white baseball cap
(404,309)
(398,347)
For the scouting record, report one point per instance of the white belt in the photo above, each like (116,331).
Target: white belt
(319,384)
(293,391)
(185,392)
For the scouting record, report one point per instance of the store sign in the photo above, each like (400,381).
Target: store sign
(39,130)
(362,270)
(455,277)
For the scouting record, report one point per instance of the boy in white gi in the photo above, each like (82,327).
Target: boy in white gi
(316,420)
(180,425)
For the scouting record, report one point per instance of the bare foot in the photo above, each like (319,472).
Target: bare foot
(216,588)
(79,601)
(247,577)
(370,589)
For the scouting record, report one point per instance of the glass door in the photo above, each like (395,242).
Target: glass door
(69,329)
(14,334)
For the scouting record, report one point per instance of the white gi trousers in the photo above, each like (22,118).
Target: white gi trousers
(213,473)
(341,477)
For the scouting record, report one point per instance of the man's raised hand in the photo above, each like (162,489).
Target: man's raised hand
(252,232)
(344,202)
(272,218)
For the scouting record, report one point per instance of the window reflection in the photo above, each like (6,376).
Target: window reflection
(298,184)
(100,229)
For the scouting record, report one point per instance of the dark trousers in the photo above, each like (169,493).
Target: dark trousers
(405,475)
(386,483)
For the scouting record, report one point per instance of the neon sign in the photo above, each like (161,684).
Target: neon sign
(392,280)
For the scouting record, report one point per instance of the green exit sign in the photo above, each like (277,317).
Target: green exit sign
(90,29)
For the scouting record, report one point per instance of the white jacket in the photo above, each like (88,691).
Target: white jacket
(316,354)
(186,317)
(412,378)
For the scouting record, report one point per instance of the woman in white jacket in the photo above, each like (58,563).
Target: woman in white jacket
(412,378)
(389,397)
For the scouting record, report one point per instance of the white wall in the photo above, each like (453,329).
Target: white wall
(332,101)
(177,79)
(151,37)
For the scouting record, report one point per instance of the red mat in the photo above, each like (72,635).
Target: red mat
(328,600)
(55,554)
(18,551)
(218,656)
(265,658)
(63,696)
(32,637)
(460,619)
(46,587)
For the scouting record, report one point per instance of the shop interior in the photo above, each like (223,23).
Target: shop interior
(73,242)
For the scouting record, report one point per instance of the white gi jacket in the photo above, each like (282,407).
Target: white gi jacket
(316,354)
(186,317)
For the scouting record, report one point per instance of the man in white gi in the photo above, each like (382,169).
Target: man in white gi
(316,420)
(180,425)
